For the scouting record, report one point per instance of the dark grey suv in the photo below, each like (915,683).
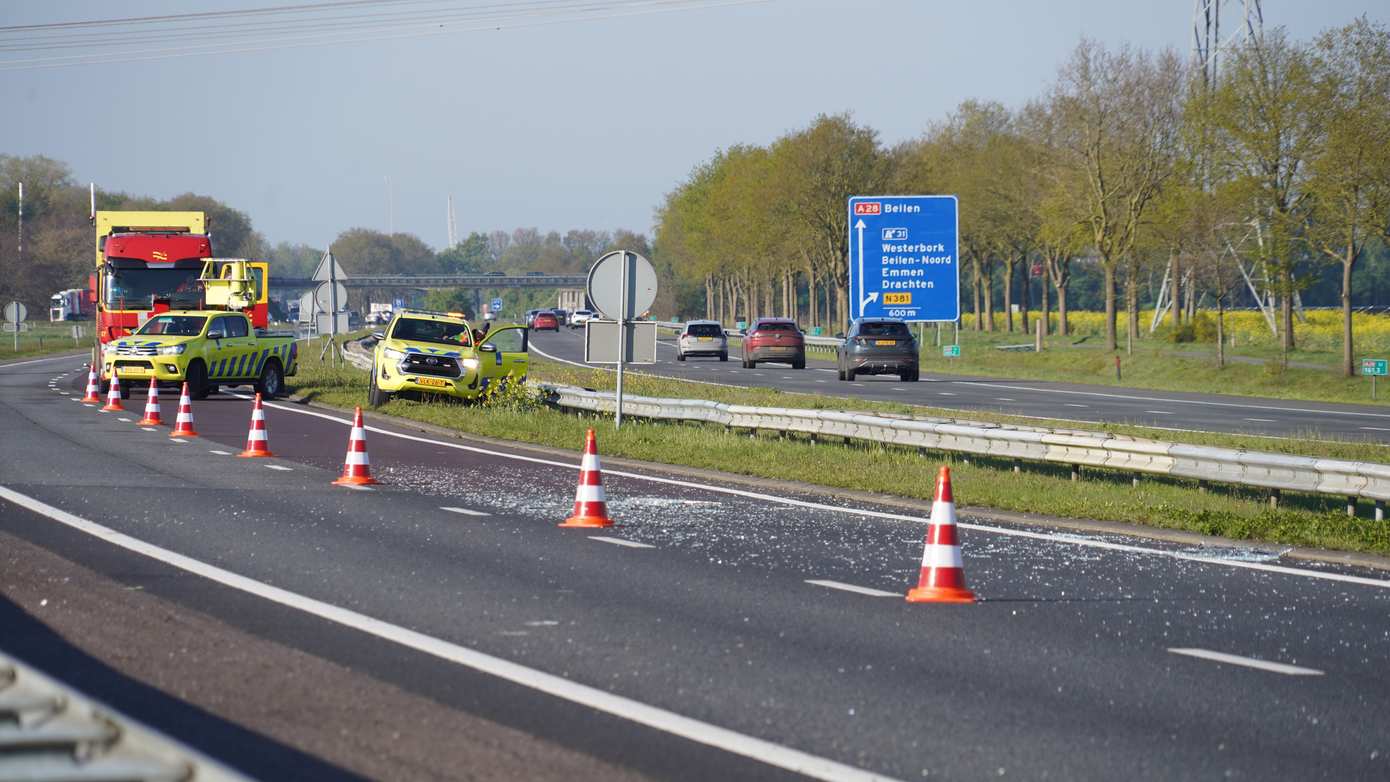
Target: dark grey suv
(878,346)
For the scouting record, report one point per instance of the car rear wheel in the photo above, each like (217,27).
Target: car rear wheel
(724,356)
(748,364)
(679,355)
(272,381)
(848,374)
(799,363)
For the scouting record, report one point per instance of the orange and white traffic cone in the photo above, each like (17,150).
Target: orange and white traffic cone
(257,443)
(152,406)
(93,396)
(590,505)
(357,469)
(113,397)
(183,425)
(943,577)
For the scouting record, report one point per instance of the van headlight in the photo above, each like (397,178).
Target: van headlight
(393,354)
(470,363)
(172,350)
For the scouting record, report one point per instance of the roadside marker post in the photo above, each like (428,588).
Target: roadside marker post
(1375,367)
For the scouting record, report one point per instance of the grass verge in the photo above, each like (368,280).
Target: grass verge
(1233,513)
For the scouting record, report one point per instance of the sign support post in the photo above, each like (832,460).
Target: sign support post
(633,279)
(623,315)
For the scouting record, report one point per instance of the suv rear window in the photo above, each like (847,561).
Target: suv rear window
(774,327)
(884,330)
(704,330)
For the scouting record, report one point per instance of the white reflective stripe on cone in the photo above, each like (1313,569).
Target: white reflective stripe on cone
(358,433)
(943,513)
(256,434)
(590,463)
(941,556)
(357,458)
(589,494)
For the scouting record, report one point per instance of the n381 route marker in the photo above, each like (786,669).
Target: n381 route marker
(904,257)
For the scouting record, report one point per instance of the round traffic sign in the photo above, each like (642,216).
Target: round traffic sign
(323,296)
(605,287)
(15,312)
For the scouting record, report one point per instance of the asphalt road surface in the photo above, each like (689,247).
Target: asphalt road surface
(1066,401)
(719,631)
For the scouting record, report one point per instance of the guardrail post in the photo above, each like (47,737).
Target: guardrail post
(1274,499)
(1076,472)
(1351,506)
(1380,510)
(1018,465)
(1202,486)
(1134,481)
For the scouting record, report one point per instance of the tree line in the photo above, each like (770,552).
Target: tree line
(1253,185)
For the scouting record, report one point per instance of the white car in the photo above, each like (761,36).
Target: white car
(581,317)
(702,338)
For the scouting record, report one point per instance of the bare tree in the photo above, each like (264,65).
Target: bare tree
(1118,118)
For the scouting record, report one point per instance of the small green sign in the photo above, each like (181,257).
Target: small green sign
(1375,367)
(953,351)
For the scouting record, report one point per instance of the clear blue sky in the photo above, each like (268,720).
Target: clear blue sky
(575,125)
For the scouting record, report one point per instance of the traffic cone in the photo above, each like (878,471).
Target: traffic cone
(93,396)
(256,442)
(113,397)
(183,425)
(590,506)
(356,467)
(152,407)
(943,578)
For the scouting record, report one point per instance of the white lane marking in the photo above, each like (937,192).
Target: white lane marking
(1249,662)
(944,393)
(466,511)
(822,369)
(1068,538)
(127,420)
(64,393)
(1003,399)
(219,453)
(149,428)
(34,361)
(858,590)
(177,441)
(899,388)
(1159,412)
(1266,420)
(279,467)
(619,542)
(1375,429)
(1073,404)
(1169,400)
(600,700)
(788,377)
(820,381)
(359,488)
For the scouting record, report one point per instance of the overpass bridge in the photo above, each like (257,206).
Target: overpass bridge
(428,281)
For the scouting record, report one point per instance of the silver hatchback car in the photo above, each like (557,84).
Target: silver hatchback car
(702,338)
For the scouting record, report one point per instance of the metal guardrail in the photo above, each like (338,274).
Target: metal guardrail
(1076,449)
(1072,448)
(51,733)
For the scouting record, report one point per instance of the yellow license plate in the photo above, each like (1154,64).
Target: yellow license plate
(885,342)
(706,339)
(123,371)
(433,382)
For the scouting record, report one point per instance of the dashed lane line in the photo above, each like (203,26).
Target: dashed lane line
(653,717)
(1248,662)
(279,467)
(1159,412)
(620,542)
(465,511)
(219,453)
(1067,538)
(858,590)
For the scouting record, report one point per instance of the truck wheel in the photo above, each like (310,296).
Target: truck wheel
(197,378)
(272,382)
(375,396)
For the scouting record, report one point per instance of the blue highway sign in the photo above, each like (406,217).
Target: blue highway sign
(496,305)
(904,258)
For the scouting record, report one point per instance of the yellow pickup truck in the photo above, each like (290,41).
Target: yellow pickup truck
(423,353)
(206,348)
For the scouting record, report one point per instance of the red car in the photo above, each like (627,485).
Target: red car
(774,339)
(545,321)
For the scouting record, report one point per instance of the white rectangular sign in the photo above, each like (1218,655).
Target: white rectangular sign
(601,342)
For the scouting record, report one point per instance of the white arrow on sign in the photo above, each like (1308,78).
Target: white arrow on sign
(864,300)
